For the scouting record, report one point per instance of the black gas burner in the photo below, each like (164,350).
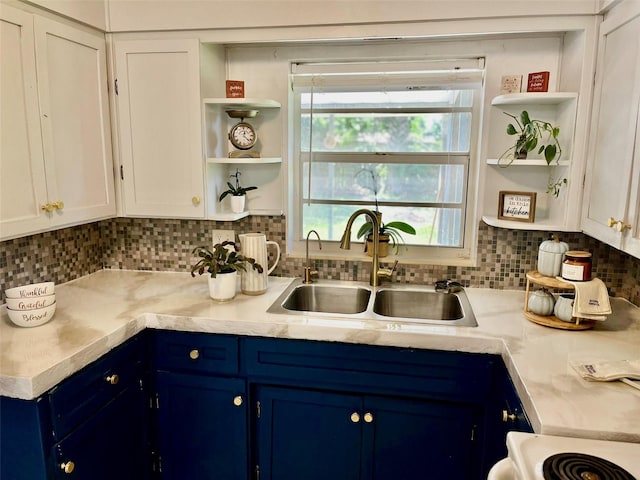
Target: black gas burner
(579,466)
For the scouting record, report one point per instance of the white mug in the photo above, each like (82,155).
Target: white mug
(254,245)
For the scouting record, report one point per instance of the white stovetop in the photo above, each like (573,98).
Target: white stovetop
(100,311)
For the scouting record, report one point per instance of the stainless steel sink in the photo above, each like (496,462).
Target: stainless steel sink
(418,304)
(327,299)
(398,304)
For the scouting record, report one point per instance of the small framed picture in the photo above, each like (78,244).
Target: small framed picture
(517,206)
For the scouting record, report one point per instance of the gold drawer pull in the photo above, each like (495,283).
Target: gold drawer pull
(355,417)
(67,467)
(194,354)
(237,400)
(368,417)
(59,205)
(195,200)
(113,379)
(47,207)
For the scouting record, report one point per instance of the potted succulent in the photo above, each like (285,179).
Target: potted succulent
(530,135)
(222,264)
(237,193)
(389,233)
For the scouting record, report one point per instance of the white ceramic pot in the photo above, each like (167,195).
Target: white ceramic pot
(541,302)
(563,309)
(237,203)
(222,288)
(550,257)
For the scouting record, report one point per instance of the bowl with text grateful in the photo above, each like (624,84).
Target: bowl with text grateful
(30,303)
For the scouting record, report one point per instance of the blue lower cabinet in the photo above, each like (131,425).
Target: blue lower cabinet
(412,439)
(110,445)
(310,435)
(318,435)
(202,427)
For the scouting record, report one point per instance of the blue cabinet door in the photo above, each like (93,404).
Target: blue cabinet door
(202,427)
(306,434)
(411,439)
(110,444)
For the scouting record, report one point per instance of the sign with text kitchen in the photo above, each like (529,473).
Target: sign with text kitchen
(518,206)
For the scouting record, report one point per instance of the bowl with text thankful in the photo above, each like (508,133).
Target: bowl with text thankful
(31,291)
(32,318)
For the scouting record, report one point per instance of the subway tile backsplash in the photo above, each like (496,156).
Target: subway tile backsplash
(165,245)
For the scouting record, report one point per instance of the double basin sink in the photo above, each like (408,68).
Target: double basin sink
(416,304)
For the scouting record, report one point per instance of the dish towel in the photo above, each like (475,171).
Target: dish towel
(624,370)
(592,300)
(608,371)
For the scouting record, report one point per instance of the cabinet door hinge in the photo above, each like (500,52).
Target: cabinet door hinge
(258,409)
(473,432)
(115,86)
(121,172)
(257,472)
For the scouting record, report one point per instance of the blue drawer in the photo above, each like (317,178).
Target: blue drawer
(78,397)
(195,352)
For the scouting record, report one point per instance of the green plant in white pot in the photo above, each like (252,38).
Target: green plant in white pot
(222,263)
(238,193)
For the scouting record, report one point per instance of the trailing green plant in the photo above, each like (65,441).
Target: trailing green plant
(236,190)
(531,133)
(225,257)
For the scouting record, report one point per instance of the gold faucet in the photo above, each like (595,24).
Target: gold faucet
(308,272)
(377,273)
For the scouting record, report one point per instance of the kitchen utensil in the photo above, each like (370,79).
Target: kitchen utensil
(254,245)
(30,291)
(32,318)
(30,303)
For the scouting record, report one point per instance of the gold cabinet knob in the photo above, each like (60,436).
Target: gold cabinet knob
(237,400)
(618,225)
(67,467)
(196,200)
(47,207)
(508,417)
(355,417)
(368,417)
(113,379)
(194,354)
(59,205)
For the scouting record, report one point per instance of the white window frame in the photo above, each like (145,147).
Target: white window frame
(469,74)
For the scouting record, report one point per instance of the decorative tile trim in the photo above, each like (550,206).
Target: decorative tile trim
(165,245)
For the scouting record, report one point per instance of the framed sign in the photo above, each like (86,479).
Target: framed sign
(518,206)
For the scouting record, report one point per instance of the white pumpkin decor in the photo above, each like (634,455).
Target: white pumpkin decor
(550,256)
(541,302)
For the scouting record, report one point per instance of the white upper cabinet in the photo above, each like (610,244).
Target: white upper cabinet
(56,163)
(611,196)
(158,111)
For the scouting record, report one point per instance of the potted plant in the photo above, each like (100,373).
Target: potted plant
(390,233)
(530,135)
(222,264)
(237,193)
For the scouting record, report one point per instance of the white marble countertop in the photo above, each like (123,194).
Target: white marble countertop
(100,311)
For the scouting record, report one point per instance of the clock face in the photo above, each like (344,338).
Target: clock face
(243,136)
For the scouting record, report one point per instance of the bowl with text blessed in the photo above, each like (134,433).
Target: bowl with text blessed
(31,291)
(32,318)
(30,303)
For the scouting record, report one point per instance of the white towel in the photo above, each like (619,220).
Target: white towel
(592,300)
(607,371)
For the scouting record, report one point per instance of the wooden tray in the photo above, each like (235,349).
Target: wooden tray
(552,321)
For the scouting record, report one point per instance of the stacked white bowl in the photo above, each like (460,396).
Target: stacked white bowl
(31,305)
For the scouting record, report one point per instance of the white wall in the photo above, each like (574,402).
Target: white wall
(148,15)
(90,12)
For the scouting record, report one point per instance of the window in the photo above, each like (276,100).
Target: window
(399,141)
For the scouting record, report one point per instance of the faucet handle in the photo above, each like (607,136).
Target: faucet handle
(387,272)
(308,274)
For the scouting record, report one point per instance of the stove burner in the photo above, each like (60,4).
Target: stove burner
(578,466)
